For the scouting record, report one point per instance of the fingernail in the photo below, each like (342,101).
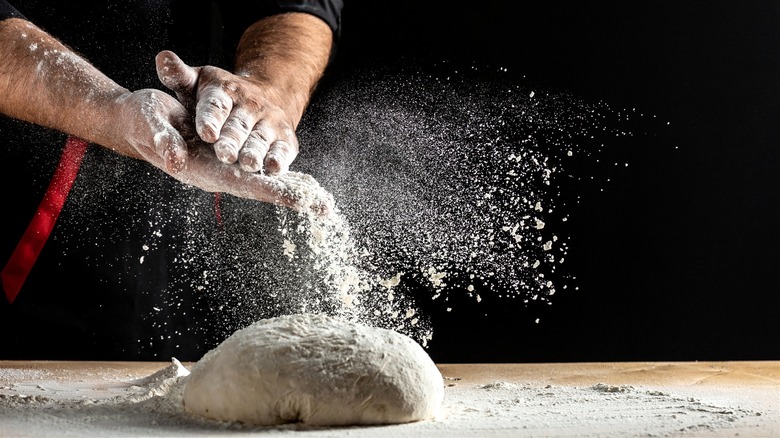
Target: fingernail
(251,161)
(226,152)
(174,163)
(207,131)
(275,163)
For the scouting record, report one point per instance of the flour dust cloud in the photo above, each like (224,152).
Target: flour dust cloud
(457,184)
(448,185)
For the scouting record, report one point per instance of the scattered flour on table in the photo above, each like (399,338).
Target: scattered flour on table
(153,406)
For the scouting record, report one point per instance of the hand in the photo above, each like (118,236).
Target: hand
(245,121)
(294,190)
(156,126)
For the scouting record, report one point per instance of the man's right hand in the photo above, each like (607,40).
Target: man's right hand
(159,130)
(245,120)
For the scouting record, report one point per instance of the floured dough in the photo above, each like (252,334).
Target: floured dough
(316,370)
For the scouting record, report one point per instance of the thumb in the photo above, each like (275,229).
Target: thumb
(177,76)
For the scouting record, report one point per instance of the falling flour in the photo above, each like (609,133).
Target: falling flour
(445,188)
(458,182)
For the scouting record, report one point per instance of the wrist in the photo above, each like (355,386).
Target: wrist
(106,131)
(286,55)
(289,95)
(43,82)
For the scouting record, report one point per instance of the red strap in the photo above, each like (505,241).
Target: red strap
(218,209)
(23,258)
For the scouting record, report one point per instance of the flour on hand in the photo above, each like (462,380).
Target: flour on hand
(316,370)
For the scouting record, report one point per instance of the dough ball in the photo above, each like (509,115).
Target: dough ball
(316,370)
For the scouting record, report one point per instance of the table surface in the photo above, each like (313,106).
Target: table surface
(62,398)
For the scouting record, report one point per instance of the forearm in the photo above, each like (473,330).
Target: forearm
(287,53)
(44,82)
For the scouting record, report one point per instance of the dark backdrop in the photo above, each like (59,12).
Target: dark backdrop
(677,259)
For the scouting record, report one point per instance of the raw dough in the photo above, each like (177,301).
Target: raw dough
(316,370)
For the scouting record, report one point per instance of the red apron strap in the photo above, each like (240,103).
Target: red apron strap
(26,253)
(218,208)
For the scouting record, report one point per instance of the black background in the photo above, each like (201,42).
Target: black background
(677,259)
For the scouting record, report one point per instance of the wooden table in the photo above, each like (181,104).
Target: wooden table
(54,398)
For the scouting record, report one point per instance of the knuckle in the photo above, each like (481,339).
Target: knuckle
(256,138)
(237,124)
(218,103)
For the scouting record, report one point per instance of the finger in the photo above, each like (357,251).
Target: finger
(280,155)
(167,141)
(252,155)
(304,194)
(176,75)
(213,108)
(294,190)
(174,151)
(171,147)
(233,135)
